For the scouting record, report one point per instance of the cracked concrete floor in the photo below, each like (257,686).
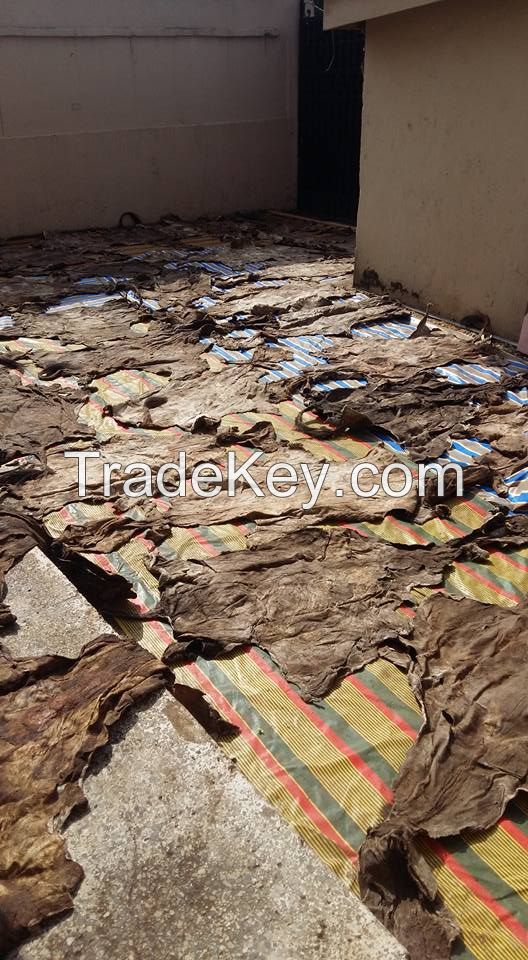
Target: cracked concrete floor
(183,860)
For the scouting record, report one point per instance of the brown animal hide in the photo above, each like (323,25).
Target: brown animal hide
(322,604)
(182,403)
(34,420)
(59,485)
(248,506)
(54,714)
(424,414)
(78,325)
(333,316)
(373,361)
(469,669)
(166,352)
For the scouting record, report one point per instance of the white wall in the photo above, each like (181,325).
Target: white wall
(155,106)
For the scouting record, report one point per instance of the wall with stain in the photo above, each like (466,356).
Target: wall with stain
(443,211)
(166,106)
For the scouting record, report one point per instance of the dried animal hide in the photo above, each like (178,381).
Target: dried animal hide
(500,532)
(293,296)
(203,711)
(166,352)
(18,535)
(339,319)
(75,323)
(247,506)
(422,413)
(330,507)
(314,279)
(78,324)
(371,360)
(234,241)
(399,888)
(335,317)
(267,353)
(7,617)
(475,476)
(33,294)
(260,436)
(469,671)
(60,484)
(269,344)
(109,534)
(321,603)
(312,269)
(34,420)
(182,404)
(505,427)
(177,294)
(18,290)
(68,255)
(55,713)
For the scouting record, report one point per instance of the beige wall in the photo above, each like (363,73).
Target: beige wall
(345,13)
(156,107)
(444,171)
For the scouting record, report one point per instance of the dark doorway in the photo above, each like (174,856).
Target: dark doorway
(330,102)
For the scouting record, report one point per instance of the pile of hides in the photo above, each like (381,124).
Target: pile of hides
(236,317)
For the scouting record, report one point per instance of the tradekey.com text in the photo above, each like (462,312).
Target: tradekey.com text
(282,480)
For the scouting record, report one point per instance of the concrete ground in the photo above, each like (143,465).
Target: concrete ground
(183,860)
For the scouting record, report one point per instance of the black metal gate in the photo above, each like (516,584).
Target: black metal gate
(330,102)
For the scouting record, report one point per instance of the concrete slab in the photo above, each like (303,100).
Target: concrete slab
(183,860)
(52,616)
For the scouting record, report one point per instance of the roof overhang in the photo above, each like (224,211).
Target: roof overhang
(347,13)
